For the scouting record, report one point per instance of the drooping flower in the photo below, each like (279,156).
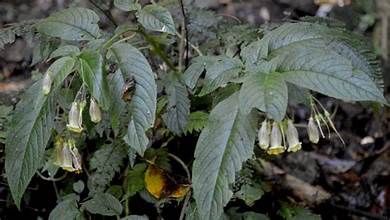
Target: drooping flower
(63,156)
(292,138)
(94,111)
(263,135)
(276,141)
(46,83)
(312,131)
(76,117)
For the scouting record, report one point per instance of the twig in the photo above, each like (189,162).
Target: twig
(107,13)
(192,45)
(182,164)
(51,178)
(185,204)
(358,212)
(185,32)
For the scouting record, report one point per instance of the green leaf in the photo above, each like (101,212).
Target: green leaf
(326,72)
(30,130)
(135,217)
(43,50)
(298,46)
(104,164)
(91,70)
(250,193)
(67,50)
(66,209)
(156,18)
(134,65)
(197,121)
(267,92)
(78,186)
(135,180)
(178,108)
(71,24)
(116,84)
(223,146)
(127,5)
(7,36)
(222,71)
(103,204)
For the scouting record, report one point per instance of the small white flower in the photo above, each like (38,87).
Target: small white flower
(263,135)
(94,111)
(276,141)
(46,83)
(312,131)
(292,138)
(75,117)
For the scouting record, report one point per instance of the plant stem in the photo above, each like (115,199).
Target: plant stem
(107,13)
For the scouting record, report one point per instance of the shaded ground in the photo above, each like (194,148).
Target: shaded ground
(357,176)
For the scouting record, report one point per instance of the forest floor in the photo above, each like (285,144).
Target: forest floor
(351,181)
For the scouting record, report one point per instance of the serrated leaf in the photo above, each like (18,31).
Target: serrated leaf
(103,204)
(310,35)
(134,65)
(7,36)
(178,108)
(66,209)
(67,50)
(71,24)
(42,51)
(127,5)
(135,217)
(116,84)
(135,180)
(222,71)
(156,18)
(91,70)
(30,130)
(250,193)
(326,72)
(222,147)
(104,164)
(192,74)
(267,92)
(197,121)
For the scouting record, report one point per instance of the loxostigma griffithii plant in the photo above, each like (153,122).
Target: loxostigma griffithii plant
(113,101)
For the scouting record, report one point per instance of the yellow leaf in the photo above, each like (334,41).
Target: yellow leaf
(154,180)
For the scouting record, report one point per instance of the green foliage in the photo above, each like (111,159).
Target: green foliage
(224,144)
(134,66)
(103,204)
(156,18)
(66,209)
(71,24)
(178,108)
(105,163)
(245,71)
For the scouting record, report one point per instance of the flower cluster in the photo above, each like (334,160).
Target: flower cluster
(66,155)
(273,137)
(76,115)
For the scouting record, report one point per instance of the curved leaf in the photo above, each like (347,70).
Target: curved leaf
(103,204)
(156,18)
(71,24)
(267,92)
(30,130)
(134,65)
(222,71)
(91,69)
(223,146)
(178,108)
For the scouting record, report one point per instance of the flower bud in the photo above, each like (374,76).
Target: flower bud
(263,135)
(276,141)
(312,131)
(46,83)
(75,117)
(292,138)
(94,111)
